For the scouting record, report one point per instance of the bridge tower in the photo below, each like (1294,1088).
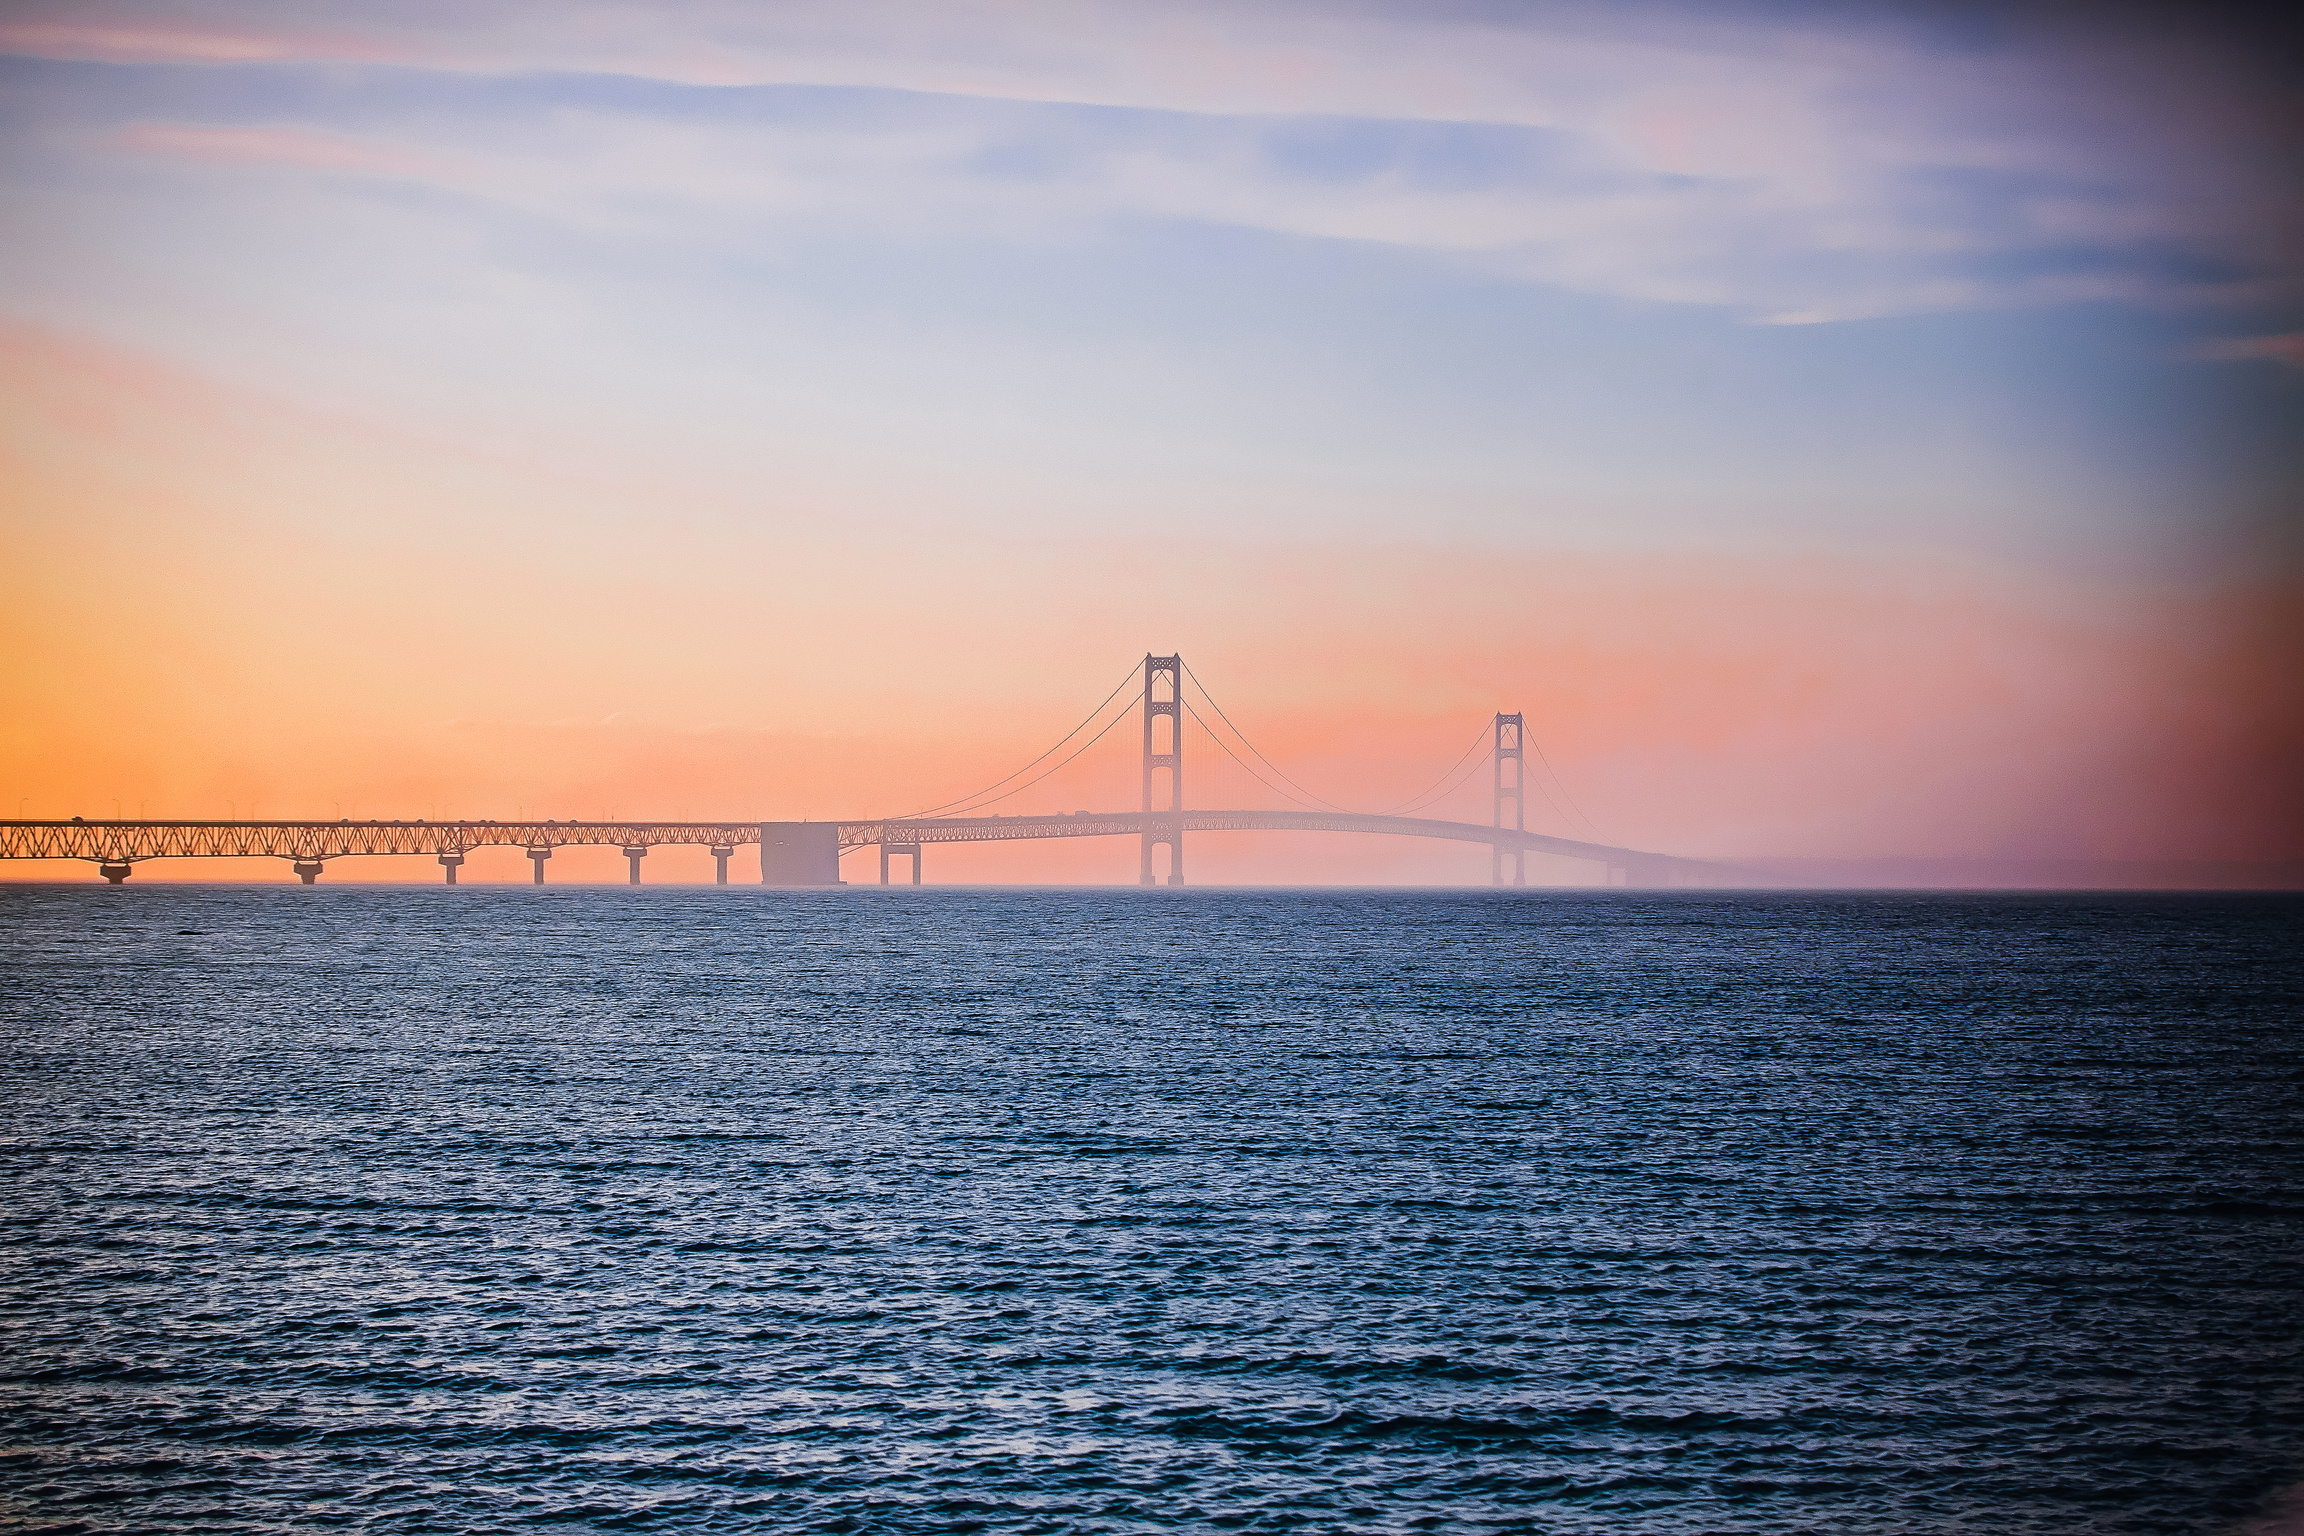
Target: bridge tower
(1509,787)
(1164,749)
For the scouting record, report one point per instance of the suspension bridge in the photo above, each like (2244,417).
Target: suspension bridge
(808,853)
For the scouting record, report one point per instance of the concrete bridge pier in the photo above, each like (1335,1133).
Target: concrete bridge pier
(539,855)
(1162,832)
(635,855)
(899,850)
(115,871)
(307,870)
(721,856)
(449,862)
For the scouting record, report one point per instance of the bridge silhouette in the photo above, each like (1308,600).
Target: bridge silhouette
(808,853)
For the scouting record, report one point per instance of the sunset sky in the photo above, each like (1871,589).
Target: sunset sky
(1845,431)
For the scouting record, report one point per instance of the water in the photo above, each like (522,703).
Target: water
(1039,1211)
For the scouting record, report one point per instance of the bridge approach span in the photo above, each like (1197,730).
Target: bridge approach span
(123,842)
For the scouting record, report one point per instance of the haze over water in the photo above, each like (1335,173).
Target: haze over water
(1112,1211)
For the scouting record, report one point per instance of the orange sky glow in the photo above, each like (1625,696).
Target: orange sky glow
(220,604)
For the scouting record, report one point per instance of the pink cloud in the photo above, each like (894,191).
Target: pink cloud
(2287,349)
(305,148)
(129,44)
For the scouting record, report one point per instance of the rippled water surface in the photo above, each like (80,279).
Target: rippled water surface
(1038,1211)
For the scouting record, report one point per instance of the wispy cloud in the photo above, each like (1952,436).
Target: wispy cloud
(130,39)
(2287,349)
(302,148)
(1792,170)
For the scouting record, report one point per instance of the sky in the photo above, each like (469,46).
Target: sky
(1845,431)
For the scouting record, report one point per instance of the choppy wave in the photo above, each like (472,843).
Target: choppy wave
(942,1211)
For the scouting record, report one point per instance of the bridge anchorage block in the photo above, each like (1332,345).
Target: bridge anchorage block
(539,855)
(635,855)
(450,862)
(722,855)
(114,872)
(308,870)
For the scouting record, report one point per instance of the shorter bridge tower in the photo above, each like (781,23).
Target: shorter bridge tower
(1509,786)
(1164,750)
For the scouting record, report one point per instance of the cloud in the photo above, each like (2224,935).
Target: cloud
(303,148)
(2287,349)
(130,42)
(1795,169)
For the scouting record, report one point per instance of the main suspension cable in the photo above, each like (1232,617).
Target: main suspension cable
(1028,767)
(1251,772)
(1311,801)
(975,804)
(1428,795)
(1589,824)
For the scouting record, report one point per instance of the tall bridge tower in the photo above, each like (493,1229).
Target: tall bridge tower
(1164,750)
(1508,787)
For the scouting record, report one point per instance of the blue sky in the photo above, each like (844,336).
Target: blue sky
(1616,277)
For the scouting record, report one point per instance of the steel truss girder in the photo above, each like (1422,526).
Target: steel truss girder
(127,842)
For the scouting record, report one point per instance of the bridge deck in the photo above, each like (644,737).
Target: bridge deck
(977,829)
(127,842)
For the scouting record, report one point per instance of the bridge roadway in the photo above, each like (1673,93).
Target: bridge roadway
(1642,868)
(115,845)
